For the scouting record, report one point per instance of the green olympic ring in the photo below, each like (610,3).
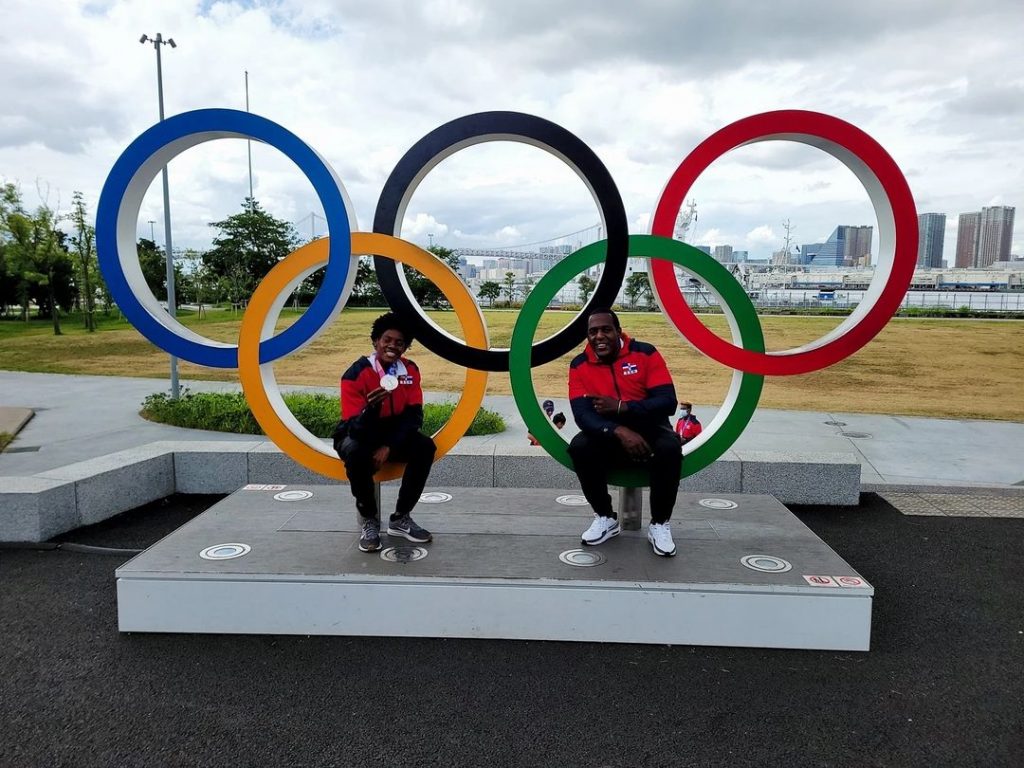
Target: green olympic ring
(744,390)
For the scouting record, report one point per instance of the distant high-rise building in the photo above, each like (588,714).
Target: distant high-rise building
(858,244)
(740,256)
(846,245)
(723,253)
(808,251)
(995,234)
(705,248)
(967,229)
(931,236)
(832,251)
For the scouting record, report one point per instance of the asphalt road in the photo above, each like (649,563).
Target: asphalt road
(942,686)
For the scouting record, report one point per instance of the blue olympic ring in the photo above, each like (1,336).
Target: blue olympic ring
(117,220)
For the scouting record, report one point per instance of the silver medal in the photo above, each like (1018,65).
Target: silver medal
(389,382)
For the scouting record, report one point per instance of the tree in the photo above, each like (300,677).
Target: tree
(510,286)
(247,246)
(526,286)
(85,252)
(638,287)
(587,286)
(425,291)
(8,277)
(153,266)
(18,275)
(197,282)
(60,287)
(447,255)
(489,290)
(35,258)
(366,291)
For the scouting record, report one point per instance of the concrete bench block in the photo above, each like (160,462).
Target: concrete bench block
(465,468)
(723,476)
(112,484)
(268,465)
(802,478)
(214,467)
(35,509)
(529,466)
(39,507)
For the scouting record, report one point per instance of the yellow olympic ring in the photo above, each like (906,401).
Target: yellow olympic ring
(260,386)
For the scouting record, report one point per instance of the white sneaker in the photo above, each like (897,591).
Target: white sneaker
(602,529)
(660,536)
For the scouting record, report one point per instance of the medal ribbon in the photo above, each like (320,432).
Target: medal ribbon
(397,367)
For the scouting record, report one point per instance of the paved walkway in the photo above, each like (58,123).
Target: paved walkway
(81,417)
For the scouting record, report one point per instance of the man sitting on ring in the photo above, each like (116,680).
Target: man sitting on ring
(622,396)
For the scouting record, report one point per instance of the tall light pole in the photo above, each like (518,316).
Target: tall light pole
(248,142)
(157,42)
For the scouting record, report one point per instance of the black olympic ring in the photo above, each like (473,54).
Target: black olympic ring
(476,129)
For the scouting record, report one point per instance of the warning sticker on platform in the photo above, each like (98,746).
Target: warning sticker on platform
(820,581)
(850,581)
(258,487)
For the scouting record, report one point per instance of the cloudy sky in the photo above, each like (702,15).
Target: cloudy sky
(940,84)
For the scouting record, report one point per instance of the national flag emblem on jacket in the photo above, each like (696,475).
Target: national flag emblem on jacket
(628,369)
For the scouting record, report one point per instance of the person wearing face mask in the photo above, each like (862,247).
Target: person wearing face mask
(687,425)
(381,415)
(622,396)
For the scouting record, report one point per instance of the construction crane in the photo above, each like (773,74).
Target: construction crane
(687,215)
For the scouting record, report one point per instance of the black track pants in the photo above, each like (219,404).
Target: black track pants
(594,456)
(416,451)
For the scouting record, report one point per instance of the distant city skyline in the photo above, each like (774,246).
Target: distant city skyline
(847,244)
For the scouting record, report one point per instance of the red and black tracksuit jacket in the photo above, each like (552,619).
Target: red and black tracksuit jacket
(394,418)
(637,376)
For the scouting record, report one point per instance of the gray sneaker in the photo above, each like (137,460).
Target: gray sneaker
(369,539)
(406,526)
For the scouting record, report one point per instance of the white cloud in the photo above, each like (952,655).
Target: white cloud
(421,225)
(642,84)
(710,237)
(762,235)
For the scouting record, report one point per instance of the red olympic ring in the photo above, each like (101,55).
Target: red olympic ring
(897,223)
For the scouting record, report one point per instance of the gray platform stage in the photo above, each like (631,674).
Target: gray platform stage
(494,571)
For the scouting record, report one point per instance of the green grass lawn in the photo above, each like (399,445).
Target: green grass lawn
(926,367)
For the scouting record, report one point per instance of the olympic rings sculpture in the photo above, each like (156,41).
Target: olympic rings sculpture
(258,347)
